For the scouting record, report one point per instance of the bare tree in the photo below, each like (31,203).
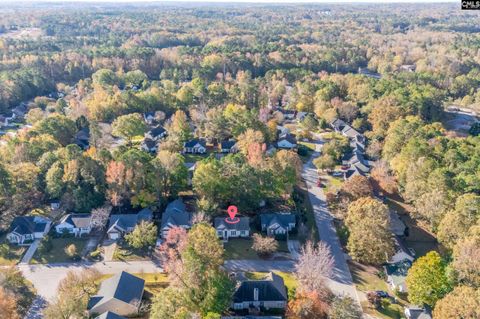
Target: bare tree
(314,266)
(100,216)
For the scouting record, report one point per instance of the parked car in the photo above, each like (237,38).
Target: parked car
(382,294)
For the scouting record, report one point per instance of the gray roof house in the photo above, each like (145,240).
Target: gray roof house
(119,224)
(156,133)
(415,312)
(269,293)
(227,230)
(277,223)
(175,215)
(287,141)
(229,146)
(195,146)
(120,294)
(25,229)
(75,224)
(109,315)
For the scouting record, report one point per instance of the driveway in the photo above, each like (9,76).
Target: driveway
(30,251)
(341,281)
(45,278)
(294,247)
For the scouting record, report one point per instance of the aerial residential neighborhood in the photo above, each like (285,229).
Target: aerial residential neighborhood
(258,160)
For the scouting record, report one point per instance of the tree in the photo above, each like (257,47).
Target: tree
(357,186)
(171,251)
(370,238)
(60,127)
(462,302)
(8,306)
(143,235)
(34,115)
(179,127)
(13,284)
(100,216)
(324,162)
(264,246)
(382,176)
(466,258)
(427,280)
(73,294)
(71,251)
(344,307)
(314,266)
(308,305)
(128,126)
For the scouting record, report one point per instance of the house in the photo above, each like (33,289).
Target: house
(149,145)
(149,117)
(227,230)
(415,312)
(229,146)
(175,215)
(75,224)
(269,293)
(195,147)
(156,133)
(401,252)
(287,141)
(407,68)
(353,171)
(82,138)
(277,223)
(121,294)
(338,125)
(397,273)
(109,315)
(25,229)
(120,224)
(288,114)
(191,170)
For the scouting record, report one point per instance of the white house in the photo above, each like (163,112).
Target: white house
(226,230)
(25,229)
(195,147)
(75,224)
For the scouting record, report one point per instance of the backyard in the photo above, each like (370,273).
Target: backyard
(56,252)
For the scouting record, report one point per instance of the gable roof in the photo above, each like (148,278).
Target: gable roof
(282,219)
(109,315)
(398,271)
(415,312)
(288,137)
(194,142)
(124,221)
(176,214)
(123,286)
(243,224)
(24,225)
(149,143)
(270,289)
(77,220)
(227,144)
(157,131)
(338,124)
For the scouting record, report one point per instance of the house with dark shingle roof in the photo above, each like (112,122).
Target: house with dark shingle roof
(195,146)
(25,229)
(229,146)
(416,312)
(269,293)
(109,315)
(149,145)
(227,230)
(121,294)
(156,133)
(175,215)
(277,223)
(287,141)
(75,224)
(121,224)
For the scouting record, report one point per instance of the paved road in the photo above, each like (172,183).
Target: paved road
(341,281)
(46,278)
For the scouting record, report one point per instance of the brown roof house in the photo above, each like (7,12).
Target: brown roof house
(121,295)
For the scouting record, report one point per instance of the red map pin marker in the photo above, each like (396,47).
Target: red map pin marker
(232,211)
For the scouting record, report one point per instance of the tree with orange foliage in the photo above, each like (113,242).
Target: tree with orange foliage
(8,305)
(308,305)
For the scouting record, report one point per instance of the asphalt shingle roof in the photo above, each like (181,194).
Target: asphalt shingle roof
(77,220)
(28,225)
(243,224)
(176,214)
(192,143)
(109,315)
(282,219)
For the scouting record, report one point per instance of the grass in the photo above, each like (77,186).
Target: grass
(288,279)
(305,207)
(12,253)
(154,282)
(57,253)
(193,158)
(241,248)
(125,253)
(332,182)
(366,279)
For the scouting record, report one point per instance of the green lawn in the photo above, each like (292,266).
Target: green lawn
(193,158)
(305,207)
(332,183)
(241,248)
(57,253)
(288,279)
(10,254)
(125,253)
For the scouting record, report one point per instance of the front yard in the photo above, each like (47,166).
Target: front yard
(10,254)
(241,248)
(368,278)
(123,252)
(56,253)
